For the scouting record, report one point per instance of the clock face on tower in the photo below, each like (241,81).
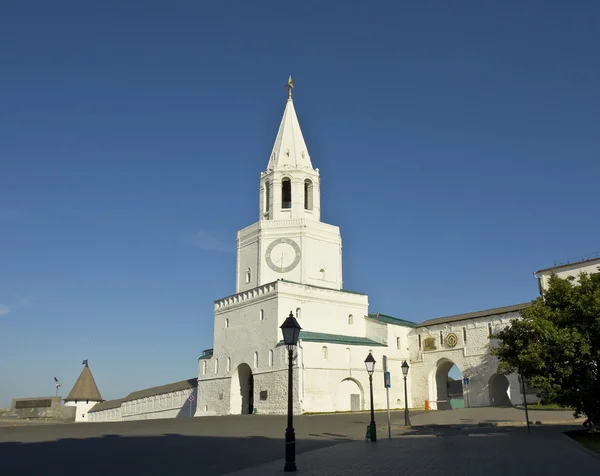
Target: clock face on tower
(283,255)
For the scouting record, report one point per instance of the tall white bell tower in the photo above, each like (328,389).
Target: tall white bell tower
(289,241)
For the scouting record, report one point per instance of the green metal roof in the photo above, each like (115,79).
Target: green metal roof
(392,320)
(338,339)
(206,354)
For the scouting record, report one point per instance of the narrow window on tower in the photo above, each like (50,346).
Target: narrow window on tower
(228,364)
(255,359)
(490,329)
(308,194)
(350,319)
(267,196)
(286,193)
(262,314)
(465,335)
(271,358)
(398,343)
(325,352)
(226,323)
(298,312)
(441,338)
(248,274)
(420,343)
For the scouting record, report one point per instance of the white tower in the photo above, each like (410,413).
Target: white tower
(84,394)
(289,241)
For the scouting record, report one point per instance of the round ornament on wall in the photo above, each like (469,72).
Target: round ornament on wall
(451,339)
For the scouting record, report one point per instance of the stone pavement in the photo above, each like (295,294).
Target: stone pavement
(546,451)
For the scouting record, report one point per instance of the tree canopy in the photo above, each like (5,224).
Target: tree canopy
(556,345)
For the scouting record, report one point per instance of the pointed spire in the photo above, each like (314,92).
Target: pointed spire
(85,387)
(290,150)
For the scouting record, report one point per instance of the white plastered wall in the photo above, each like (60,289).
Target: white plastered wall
(472,358)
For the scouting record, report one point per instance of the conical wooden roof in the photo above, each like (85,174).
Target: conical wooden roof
(85,388)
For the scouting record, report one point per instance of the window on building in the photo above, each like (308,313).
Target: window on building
(298,311)
(286,193)
(226,323)
(465,335)
(255,360)
(350,319)
(271,358)
(248,275)
(228,364)
(398,343)
(205,408)
(490,329)
(348,354)
(441,338)
(204,367)
(262,314)
(308,194)
(325,352)
(420,343)
(322,273)
(216,366)
(267,196)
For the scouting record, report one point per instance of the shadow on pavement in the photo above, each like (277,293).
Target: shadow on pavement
(169,454)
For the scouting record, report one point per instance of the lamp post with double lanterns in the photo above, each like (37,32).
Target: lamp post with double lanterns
(291,333)
(370,364)
(405,368)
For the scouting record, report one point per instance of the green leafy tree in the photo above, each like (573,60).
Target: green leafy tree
(556,345)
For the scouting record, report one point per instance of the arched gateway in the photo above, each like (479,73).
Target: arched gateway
(444,390)
(499,391)
(242,390)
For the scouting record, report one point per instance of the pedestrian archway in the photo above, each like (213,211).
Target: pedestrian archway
(349,396)
(445,385)
(499,391)
(242,390)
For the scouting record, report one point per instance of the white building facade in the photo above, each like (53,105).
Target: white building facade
(291,261)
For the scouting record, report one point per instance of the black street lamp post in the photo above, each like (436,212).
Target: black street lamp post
(291,332)
(405,368)
(370,364)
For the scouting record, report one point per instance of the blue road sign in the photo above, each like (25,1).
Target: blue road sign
(387,379)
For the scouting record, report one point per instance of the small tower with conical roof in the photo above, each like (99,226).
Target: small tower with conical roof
(84,394)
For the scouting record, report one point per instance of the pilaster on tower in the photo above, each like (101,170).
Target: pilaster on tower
(289,188)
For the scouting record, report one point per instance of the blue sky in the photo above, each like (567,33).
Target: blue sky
(457,142)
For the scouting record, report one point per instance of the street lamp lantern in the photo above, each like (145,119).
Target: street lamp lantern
(291,333)
(405,368)
(370,364)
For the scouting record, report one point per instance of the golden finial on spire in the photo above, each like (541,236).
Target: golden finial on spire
(290,86)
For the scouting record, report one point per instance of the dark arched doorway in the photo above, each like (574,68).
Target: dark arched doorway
(242,390)
(498,386)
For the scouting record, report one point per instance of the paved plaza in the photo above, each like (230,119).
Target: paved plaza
(470,441)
